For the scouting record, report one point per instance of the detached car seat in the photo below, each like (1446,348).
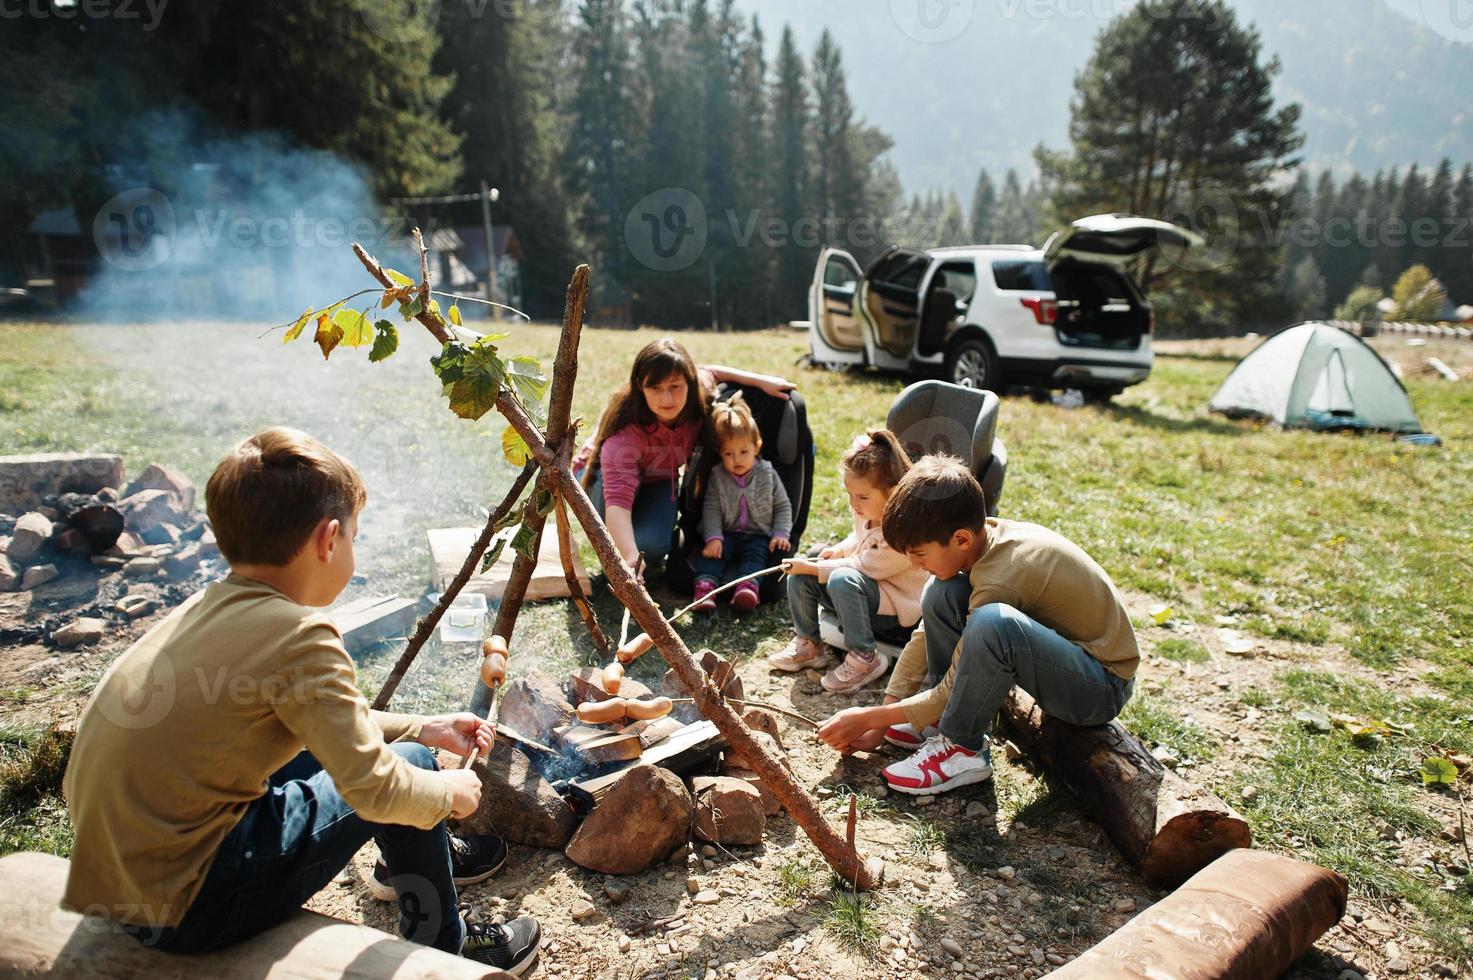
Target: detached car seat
(931,417)
(787,443)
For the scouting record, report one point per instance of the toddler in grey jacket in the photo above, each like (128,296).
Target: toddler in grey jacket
(746,515)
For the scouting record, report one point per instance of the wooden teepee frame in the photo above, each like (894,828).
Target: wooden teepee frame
(551,451)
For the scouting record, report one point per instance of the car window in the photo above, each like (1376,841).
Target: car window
(839,274)
(1023,276)
(958,278)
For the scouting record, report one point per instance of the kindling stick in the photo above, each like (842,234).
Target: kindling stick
(634,649)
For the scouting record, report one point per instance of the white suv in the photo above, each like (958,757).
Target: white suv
(1067,315)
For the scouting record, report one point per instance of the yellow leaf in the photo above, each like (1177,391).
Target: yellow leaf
(399,277)
(455,314)
(298,327)
(389,296)
(514,448)
(328,335)
(357,330)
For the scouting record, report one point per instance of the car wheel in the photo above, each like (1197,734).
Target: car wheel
(972,364)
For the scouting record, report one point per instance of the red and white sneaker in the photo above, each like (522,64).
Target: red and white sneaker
(905,736)
(940,765)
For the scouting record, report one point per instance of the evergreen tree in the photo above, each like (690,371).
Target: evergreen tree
(984,200)
(838,184)
(506,98)
(1013,225)
(1460,278)
(1438,214)
(751,270)
(1173,117)
(1307,291)
(791,122)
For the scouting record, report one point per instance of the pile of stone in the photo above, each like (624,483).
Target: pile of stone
(650,814)
(67,514)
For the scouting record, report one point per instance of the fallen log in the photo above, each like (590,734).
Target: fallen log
(1167,828)
(1249,914)
(41,939)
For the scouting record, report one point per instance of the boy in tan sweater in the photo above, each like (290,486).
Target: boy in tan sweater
(227,767)
(1008,603)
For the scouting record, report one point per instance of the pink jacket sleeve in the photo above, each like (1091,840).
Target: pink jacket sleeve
(618,462)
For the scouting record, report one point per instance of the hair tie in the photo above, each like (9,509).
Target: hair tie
(861,443)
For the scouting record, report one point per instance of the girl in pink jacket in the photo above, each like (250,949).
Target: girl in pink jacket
(868,584)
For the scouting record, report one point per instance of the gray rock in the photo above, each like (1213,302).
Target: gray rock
(516,802)
(147,509)
(142,567)
(10,576)
(31,532)
(728,810)
(951,946)
(156,477)
(79,632)
(583,910)
(38,575)
(534,705)
(707,897)
(25,480)
(1123,905)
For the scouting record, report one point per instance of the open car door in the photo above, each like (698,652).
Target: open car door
(1116,239)
(832,300)
(892,298)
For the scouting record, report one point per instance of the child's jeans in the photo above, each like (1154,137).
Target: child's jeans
(851,594)
(291,843)
(741,554)
(1000,647)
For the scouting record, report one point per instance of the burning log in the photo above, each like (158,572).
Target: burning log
(1164,826)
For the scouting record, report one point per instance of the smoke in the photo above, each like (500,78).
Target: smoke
(228,227)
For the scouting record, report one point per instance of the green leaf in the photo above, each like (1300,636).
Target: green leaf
(545,501)
(455,314)
(493,553)
(525,376)
(1438,771)
(474,392)
(357,328)
(385,341)
(514,447)
(296,328)
(412,309)
(524,542)
(399,277)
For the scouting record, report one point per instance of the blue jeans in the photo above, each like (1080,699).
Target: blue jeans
(291,843)
(653,516)
(741,554)
(851,594)
(1000,647)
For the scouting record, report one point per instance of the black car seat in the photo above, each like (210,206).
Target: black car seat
(937,417)
(787,443)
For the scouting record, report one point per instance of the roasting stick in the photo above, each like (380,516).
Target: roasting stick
(631,650)
(493,672)
(624,622)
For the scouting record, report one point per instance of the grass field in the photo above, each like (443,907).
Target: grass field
(1352,557)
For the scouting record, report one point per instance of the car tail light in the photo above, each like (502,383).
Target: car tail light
(1045,311)
(1151,323)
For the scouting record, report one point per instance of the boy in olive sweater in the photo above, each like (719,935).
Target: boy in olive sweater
(227,766)
(1008,603)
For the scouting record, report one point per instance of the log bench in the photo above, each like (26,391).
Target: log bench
(1247,915)
(39,938)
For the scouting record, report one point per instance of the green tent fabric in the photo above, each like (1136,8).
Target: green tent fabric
(1315,376)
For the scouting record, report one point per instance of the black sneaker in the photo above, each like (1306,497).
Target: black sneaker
(472,859)
(511,947)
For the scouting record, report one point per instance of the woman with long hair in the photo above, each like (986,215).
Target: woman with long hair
(648,430)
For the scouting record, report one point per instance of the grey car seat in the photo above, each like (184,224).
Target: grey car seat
(932,417)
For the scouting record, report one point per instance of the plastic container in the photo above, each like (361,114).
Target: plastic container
(465,620)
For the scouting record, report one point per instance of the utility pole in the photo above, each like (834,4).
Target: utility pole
(489,194)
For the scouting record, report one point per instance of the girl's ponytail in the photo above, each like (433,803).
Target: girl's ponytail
(878,457)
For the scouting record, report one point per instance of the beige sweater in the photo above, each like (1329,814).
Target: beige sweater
(899,579)
(1045,576)
(186,727)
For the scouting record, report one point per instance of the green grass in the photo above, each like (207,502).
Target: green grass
(1326,542)
(796,879)
(925,837)
(33,815)
(852,919)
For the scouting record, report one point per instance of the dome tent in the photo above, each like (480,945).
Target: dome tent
(1315,376)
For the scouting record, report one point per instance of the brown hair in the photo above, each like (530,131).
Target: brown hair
(657,361)
(267,495)
(732,419)
(878,457)
(938,497)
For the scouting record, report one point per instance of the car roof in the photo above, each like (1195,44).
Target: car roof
(983,251)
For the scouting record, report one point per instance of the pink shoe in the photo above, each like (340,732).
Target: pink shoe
(745,598)
(704,602)
(798,654)
(855,672)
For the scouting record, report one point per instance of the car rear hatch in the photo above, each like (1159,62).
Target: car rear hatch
(1096,303)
